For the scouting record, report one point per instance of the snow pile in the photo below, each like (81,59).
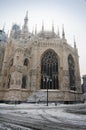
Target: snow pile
(38,96)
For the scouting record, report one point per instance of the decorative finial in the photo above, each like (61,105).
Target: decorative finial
(52,26)
(42,25)
(74,42)
(63,33)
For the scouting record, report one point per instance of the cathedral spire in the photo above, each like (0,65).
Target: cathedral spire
(52,26)
(8,33)
(42,26)
(63,33)
(3,27)
(58,34)
(74,42)
(35,29)
(25,26)
(26,19)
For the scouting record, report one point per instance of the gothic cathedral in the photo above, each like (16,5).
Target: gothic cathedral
(32,64)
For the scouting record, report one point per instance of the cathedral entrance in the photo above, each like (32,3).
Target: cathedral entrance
(49,70)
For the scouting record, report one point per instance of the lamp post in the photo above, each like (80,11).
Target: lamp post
(75,93)
(47,79)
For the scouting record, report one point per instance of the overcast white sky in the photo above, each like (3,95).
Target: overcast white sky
(71,13)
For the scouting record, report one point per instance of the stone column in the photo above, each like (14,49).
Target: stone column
(34,69)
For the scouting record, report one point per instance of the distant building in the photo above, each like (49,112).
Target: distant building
(84,88)
(32,63)
(84,84)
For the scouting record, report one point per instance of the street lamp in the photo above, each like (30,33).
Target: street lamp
(48,79)
(75,93)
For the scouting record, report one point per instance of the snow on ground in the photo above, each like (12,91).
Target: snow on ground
(47,115)
(8,126)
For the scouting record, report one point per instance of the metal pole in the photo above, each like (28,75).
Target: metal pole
(47,95)
(75,93)
(47,89)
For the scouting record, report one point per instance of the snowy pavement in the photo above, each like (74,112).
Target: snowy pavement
(42,117)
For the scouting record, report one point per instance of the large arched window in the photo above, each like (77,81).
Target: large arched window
(26,61)
(24,81)
(71,72)
(49,70)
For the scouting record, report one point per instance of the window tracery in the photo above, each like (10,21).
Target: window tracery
(49,70)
